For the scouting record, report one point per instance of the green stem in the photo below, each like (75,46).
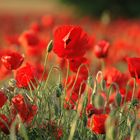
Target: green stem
(134,88)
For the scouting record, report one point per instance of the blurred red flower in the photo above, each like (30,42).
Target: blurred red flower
(24,108)
(33,43)
(3,99)
(29,38)
(101,49)
(75,64)
(111,75)
(134,66)
(70,41)
(90,110)
(12,60)
(25,76)
(96,123)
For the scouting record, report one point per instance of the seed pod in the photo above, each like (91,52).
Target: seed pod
(59,90)
(99,101)
(135,102)
(118,99)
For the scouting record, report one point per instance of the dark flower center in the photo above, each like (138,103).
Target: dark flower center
(68,41)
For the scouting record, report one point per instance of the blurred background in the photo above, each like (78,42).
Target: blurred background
(94,8)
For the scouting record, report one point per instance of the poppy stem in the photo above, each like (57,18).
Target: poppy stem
(102,64)
(67,74)
(134,88)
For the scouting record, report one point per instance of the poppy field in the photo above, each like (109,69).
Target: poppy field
(63,78)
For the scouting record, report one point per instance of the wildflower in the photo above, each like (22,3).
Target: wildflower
(96,123)
(70,41)
(25,76)
(134,67)
(101,49)
(12,60)
(23,107)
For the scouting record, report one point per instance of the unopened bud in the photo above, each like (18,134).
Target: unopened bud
(99,101)
(59,90)
(118,99)
(50,46)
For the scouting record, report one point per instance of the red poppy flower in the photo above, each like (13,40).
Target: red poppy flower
(90,110)
(32,43)
(4,124)
(101,49)
(23,107)
(97,123)
(25,76)
(29,38)
(12,60)
(70,41)
(3,99)
(111,75)
(134,67)
(75,64)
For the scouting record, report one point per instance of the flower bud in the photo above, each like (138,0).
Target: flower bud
(59,90)
(50,46)
(118,99)
(99,101)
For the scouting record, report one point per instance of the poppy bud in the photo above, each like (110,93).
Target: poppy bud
(99,101)
(118,99)
(59,90)
(135,102)
(50,46)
